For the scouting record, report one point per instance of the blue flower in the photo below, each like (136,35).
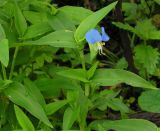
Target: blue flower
(94,37)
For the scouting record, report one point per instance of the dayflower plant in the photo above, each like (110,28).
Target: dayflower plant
(93,36)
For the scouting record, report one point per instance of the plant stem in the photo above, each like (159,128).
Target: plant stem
(132,40)
(82,60)
(87,90)
(4,72)
(125,39)
(87,87)
(13,62)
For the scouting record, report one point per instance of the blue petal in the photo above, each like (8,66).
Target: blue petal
(105,37)
(93,36)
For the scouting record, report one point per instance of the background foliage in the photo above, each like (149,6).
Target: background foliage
(52,79)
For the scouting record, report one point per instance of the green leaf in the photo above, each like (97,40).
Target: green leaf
(149,101)
(37,30)
(130,10)
(7,11)
(69,118)
(2,3)
(111,77)
(2,33)
(77,74)
(23,120)
(19,20)
(43,6)
(157,1)
(19,95)
(92,70)
(53,87)
(91,21)
(63,38)
(73,13)
(4,84)
(35,17)
(4,112)
(154,35)
(100,128)
(105,98)
(57,22)
(93,52)
(34,92)
(125,125)
(18,130)
(121,64)
(107,94)
(12,120)
(4,52)
(79,100)
(124,26)
(55,106)
(10,35)
(147,56)
(117,105)
(144,29)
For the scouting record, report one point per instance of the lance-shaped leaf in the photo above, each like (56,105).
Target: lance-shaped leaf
(91,21)
(4,52)
(23,120)
(21,96)
(20,22)
(111,77)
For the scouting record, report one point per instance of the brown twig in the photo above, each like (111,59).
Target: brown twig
(87,4)
(125,40)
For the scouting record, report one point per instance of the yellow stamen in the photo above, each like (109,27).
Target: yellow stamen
(100,47)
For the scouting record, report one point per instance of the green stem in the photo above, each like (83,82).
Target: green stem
(4,72)
(82,60)
(13,62)
(87,87)
(87,90)
(132,40)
